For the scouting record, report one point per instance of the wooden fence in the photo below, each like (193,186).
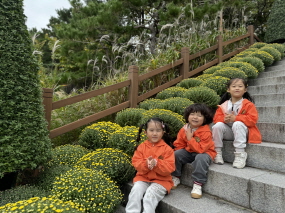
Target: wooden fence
(135,79)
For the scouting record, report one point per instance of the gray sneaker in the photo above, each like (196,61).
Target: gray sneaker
(219,158)
(176,182)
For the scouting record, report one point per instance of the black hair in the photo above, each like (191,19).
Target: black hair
(226,96)
(203,109)
(164,126)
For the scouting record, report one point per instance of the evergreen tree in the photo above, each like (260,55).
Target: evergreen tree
(24,141)
(276,23)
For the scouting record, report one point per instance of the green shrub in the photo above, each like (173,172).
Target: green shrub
(254,61)
(258,45)
(190,82)
(174,120)
(92,190)
(273,52)
(171,92)
(230,72)
(211,70)
(44,204)
(24,141)
(67,155)
(129,117)
(217,83)
(203,95)
(266,58)
(243,54)
(249,50)
(279,47)
(96,135)
(177,104)
(20,193)
(151,103)
(114,162)
(48,176)
(203,77)
(247,68)
(275,30)
(125,139)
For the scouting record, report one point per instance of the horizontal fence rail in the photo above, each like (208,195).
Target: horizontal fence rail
(134,80)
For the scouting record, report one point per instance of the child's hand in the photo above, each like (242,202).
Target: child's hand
(189,133)
(151,162)
(229,118)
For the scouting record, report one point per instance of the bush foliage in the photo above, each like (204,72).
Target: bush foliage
(129,117)
(247,68)
(217,83)
(230,72)
(171,92)
(254,61)
(190,82)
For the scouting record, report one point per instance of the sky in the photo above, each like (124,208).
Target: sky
(39,12)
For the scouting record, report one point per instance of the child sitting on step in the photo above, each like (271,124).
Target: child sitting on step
(154,162)
(235,119)
(194,145)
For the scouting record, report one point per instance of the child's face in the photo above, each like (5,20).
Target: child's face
(154,132)
(237,89)
(196,119)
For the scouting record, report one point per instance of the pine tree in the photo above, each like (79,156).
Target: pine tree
(275,32)
(24,141)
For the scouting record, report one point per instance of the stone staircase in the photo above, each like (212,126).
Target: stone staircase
(260,186)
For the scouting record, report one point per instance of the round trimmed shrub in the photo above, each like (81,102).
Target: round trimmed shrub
(249,50)
(273,52)
(44,204)
(151,103)
(258,45)
(174,120)
(93,190)
(243,54)
(190,82)
(247,68)
(125,139)
(230,72)
(203,77)
(279,47)
(49,175)
(21,193)
(96,135)
(113,162)
(211,70)
(203,95)
(67,155)
(217,83)
(129,117)
(254,61)
(177,104)
(171,92)
(266,58)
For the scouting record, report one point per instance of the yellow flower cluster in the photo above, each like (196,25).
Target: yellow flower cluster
(44,204)
(93,190)
(115,163)
(171,92)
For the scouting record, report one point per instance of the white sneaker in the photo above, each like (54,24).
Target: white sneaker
(240,159)
(196,191)
(219,158)
(176,182)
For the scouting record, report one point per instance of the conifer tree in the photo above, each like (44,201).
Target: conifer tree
(276,23)
(24,141)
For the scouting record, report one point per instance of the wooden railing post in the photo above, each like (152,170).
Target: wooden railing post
(47,101)
(251,34)
(134,87)
(184,69)
(220,48)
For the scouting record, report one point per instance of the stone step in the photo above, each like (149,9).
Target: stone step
(267,81)
(272,132)
(266,89)
(255,189)
(179,201)
(262,156)
(271,114)
(269,99)
(279,71)
(276,65)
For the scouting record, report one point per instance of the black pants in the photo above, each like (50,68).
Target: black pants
(200,163)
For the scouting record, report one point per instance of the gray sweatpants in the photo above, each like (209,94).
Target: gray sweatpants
(237,132)
(200,163)
(151,193)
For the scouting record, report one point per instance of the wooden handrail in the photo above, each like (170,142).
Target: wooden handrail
(135,79)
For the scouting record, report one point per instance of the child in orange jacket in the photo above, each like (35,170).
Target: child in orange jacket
(154,162)
(194,145)
(235,119)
